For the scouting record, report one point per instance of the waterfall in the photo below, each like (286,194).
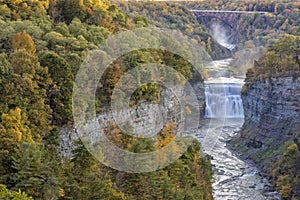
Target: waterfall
(224,35)
(223,100)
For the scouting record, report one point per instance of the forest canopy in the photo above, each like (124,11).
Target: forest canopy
(42,46)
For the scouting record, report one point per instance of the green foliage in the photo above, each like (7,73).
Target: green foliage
(281,59)
(283,17)
(285,173)
(111,77)
(23,41)
(144,92)
(84,179)
(5,72)
(71,9)
(27,90)
(186,178)
(6,194)
(61,74)
(169,15)
(24,9)
(189,177)
(42,45)
(13,129)
(32,171)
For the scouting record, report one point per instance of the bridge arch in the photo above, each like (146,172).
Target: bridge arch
(230,18)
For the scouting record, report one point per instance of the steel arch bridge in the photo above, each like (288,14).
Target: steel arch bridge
(228,17)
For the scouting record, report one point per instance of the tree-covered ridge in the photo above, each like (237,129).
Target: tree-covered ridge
(42,46)
(257,30)
(281,59)
(54,40)
(178,17)
(254,31)
(283,17)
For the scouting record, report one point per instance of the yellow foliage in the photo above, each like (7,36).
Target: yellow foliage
(23,41)
(163,139)
(15,124)
(285,191)
(17,1)
(61,192)
(98,4)
(292,148)
(166,136)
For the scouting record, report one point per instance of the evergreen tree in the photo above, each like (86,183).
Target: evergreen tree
(60,100)
(13,129)
(29,175)
(23,41)
(36,171)
(71,9)
(27,90)
(85,179)
(6,74)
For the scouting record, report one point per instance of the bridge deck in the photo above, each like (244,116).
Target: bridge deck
(230,11)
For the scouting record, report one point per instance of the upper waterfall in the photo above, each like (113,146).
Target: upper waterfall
(223,92)
(223,100)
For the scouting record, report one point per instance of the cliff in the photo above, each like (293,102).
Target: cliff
(148,119)
(273,106)
(272,129)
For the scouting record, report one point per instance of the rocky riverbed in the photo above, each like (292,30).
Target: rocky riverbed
(234,178)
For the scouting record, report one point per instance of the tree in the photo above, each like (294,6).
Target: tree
(29,175)
(23,41)
(6,74)
(60,72)
(75,62)
(13,130)
(111,77)
(36,171)
(71,9)
(16,125)
(6,194)
(85,179)
(27,90)
(24,9)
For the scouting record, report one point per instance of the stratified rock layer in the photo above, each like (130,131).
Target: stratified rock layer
(272,124)
(272,106)
(148,118)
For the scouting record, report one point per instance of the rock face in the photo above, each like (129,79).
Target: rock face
(147,118)
(272,106)
(271,128)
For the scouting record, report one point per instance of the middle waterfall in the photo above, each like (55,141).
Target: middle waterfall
(223,100)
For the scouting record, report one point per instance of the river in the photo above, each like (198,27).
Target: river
(234,178)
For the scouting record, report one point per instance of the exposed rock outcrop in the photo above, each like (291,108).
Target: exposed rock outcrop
(148,118)
(272,130)
(273,107)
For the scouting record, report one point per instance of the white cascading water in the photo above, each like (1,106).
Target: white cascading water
(223,100)
(233,177)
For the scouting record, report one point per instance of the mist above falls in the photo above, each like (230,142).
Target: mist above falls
(222,34)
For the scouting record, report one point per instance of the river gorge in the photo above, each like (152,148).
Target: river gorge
(234,178)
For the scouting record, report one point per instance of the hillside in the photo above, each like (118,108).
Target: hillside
(42,46)
(176,16)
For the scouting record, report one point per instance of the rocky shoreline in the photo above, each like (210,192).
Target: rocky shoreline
(234,176)
(269,188)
